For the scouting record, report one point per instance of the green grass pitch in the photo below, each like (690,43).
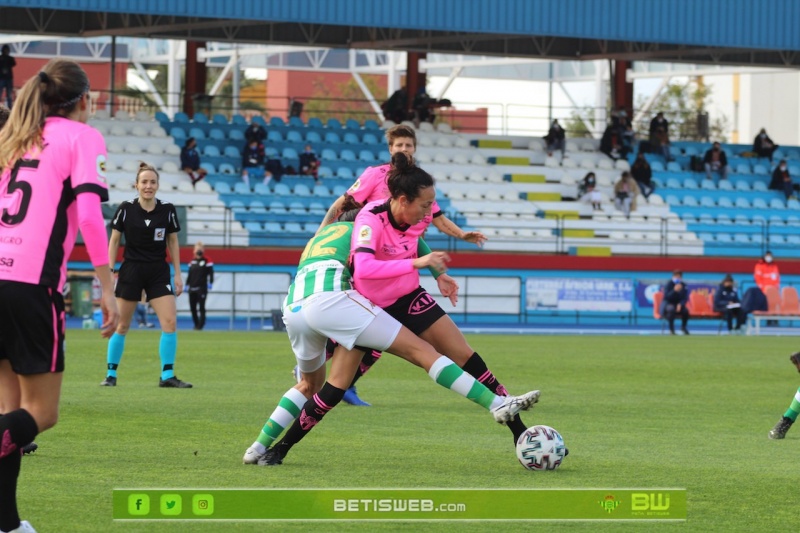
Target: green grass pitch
(634,411)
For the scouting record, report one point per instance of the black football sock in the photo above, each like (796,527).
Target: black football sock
(312,413)
(370,358)
(17,429)
(476,367)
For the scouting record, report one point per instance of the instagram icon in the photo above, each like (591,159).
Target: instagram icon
(203,504)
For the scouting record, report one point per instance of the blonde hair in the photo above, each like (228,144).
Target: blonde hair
(144,167)
(55,90)
(396,132)
(4,112)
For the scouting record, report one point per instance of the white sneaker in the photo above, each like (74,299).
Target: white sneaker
(513,405)
(24,527)
(251,456)
(296,374)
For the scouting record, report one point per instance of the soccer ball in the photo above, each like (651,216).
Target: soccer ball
(541,448)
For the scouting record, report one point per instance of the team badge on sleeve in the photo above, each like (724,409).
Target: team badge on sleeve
(364,235)
(101,167)
(354,187)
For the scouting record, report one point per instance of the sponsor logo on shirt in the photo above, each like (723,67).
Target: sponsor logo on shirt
(160,232)
(421,304)
(364,234)
(101,167)
(11,240)
(354,187)
(7,261)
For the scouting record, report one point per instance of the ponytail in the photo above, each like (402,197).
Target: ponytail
(406,178)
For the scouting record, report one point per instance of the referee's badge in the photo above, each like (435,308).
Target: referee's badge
(101,167)
(364,234)
(160,232)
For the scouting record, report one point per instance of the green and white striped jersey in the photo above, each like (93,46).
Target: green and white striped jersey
(322,266)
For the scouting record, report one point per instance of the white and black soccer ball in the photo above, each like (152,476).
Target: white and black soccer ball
(541,448)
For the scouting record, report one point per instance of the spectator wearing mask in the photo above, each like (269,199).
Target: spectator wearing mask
(625,192)
(766,273)
(763,145)
(252,161)
(555,138)
(588,193)
(726,301)
(781,180)
(190,161)
(255,132)
(643,175)
(658,123)
(715,160)
(309,164)
(676,296)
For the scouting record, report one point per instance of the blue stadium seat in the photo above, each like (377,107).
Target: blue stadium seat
(332,138)
(258,119)
(216,134)
(289,153)
(252,225)
(366,155)
(370,124)
(759,186)
(705,218)
(690,201)
(315,122)
(277,122)
(724,219)
(384,155)
(339,190)
(347,155)
(776,220)
(236,206)
(742,168)
(236,135)
(334,123)
(793,204)
(321,190)
(222,187)
(345,172)
(209,167)
(708,185)
(293,227)
(200,118)
(296,122)
(690,150)
(273,227)
(329,155)
(352,124)
(689,218)
(232,151)
(793,239)
(281,189)
(294,136)
(178,133)
(724,237)
(741,220)
(761,170)
(161,117)
(674,166)
(776,238)
(742,185)
(220,119)
(725,185)
(274,136)
(707,201)
(302,190)
(325,172)
(690,183)
(673,183)
(775,203)
(262,189)
(211,150)
(241,188)
(258,207)
(760,203)
(297,208)
(277,207)
(197,133)
(181,117)
(351,138)
(741,238)
(226,168)
(239,120)
(742,203)
(671,199)
(313,137)
(369,138)
(705,236)
(317,209)
(725,201)
(657,166)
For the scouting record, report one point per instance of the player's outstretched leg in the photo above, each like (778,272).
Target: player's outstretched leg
(283,415)
(512,405)
(788,418)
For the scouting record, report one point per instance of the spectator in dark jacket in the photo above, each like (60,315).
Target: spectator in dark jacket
(726,301)
(658,122)
(555,138)
(190,161)
(255,132)
(309,164)
(252,160)
(715,160)
(643,175)
(781,180)
(676,296)
(611,143)
(763,145)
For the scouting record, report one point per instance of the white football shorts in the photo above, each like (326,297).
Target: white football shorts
(344,316)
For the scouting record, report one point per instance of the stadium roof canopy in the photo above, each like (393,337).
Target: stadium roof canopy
(733,32)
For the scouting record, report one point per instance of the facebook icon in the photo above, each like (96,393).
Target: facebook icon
(138,504)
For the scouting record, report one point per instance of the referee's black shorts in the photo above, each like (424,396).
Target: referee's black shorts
(31,327)
(152,278)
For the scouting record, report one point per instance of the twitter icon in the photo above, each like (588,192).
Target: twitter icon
(171,504)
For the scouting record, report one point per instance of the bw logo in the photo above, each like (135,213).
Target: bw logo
(421,304)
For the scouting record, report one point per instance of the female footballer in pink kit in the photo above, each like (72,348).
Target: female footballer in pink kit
(51,185)
(371,186)
(384,246)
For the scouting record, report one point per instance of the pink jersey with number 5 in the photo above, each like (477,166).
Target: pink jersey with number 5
(39,216)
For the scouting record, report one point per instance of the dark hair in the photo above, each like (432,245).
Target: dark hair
(144,167)
(5,48)
(401,130)
(727,277)
(406,178)
(4,113)
(188,142)
(349,209)
(678,272)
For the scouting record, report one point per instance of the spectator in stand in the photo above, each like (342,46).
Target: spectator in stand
(619,117)
(309,164)
(190,161)
(555,138)
(625,192)
(715,160)
(396,107)
(253,161)
(273,168)
(781,180)
(767,274)
(628,136)
(763,145)
(726,301)
(659,136)
(611,143)
(588,193)
(643,175)
(255,132)
(676,296)
(7,64)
